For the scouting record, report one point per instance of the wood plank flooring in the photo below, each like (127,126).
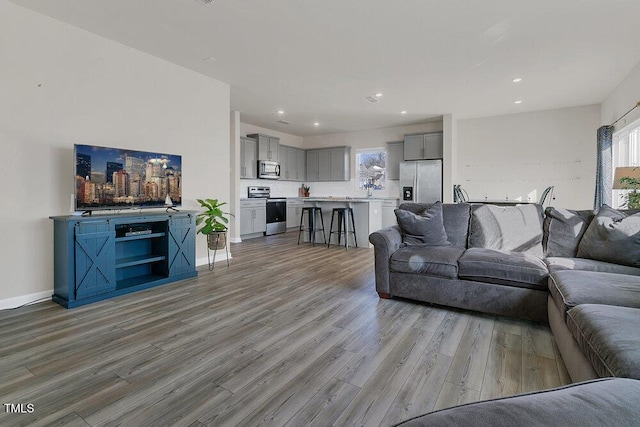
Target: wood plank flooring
(286,336)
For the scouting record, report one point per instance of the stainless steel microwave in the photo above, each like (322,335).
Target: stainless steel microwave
(268,169)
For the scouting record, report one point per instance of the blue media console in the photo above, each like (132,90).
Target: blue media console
(103,256)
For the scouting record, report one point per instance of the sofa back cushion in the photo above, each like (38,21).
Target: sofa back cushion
(455,217)
(507,228)
(424,228)
(563,229)
(613,236)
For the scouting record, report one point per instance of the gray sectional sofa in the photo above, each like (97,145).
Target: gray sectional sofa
(577,270)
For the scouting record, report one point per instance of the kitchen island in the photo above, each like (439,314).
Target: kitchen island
(370,214)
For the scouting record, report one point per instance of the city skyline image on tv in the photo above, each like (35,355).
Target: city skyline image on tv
(116,178)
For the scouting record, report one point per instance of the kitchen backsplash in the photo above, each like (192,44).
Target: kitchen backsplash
(320,189)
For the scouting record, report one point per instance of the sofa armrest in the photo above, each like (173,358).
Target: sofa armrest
(385,242)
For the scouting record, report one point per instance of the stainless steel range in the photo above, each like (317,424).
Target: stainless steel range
(276,209)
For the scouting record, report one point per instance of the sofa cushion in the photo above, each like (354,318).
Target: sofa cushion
(608,335)
(455,218)
(601,402)
(433,260)
(563,229)
(425,228)
(510,228)
(613,236)
(571,288)
(558,264)
(503,267)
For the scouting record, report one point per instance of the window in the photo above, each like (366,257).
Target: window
(626,152)
(372,168)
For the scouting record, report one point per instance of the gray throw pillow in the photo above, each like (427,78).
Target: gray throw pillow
(427,228)
(507,228)
(612,236)
(563,230)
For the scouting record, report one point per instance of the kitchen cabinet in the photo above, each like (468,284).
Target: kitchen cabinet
(329,164)
(388,214)
(292,163)
(294,210)
(248,158)
(423,146)
(395,154)
(253,217)
(268,146)
(301,165)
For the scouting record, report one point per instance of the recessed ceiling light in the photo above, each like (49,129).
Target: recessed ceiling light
(280,112)
(518,102)
(517,80)
(378,95)
(316,124)
(403,112)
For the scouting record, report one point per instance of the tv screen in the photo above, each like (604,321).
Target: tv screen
(116,178)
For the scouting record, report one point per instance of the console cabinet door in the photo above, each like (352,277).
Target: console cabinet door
(182,236)
(94,246)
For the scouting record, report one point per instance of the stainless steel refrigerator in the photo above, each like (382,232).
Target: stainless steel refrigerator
(421,181)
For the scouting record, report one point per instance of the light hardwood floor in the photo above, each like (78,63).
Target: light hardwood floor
(287,335)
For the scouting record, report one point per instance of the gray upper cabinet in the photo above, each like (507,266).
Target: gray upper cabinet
(313,165)
(329,164)
(423,146)
(248,158)
(268,146)
(395,154)
(283,153)
(292,163)
(301,171)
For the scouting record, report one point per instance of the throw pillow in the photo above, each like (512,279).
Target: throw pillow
(427,228)
(507,228)
(563,230)
(613,236)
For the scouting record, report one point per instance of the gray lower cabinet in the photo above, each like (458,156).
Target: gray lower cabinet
(423,146)
(388,214)
(253,217)
(268,146)
(294,210)
(395,154)
(248,158)
(329,164)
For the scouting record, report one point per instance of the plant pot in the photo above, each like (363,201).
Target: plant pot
(217,240)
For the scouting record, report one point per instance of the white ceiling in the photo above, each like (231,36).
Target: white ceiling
(317,59)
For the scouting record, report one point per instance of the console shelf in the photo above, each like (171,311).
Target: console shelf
(95,259)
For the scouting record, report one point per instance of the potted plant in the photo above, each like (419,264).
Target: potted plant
(305,190)
(633,196)
(214,223)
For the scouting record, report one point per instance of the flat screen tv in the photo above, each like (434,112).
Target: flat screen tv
(116,178)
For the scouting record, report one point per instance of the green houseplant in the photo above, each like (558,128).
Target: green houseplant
(214,222)
(633,196)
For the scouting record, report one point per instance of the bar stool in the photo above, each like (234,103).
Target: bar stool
(313,225)
(343,220)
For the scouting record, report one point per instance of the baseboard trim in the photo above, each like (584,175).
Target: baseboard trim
(21,300)
(235,240)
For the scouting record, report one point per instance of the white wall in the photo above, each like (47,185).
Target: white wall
(376,138)
(623,97)
(519,155)
(61,85)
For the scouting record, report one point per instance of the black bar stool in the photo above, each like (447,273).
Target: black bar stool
(343,221)
(313,225)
